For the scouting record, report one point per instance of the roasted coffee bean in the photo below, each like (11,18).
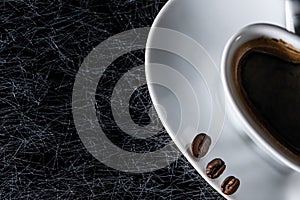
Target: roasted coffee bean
(215,168)
(230,185)
(200,145)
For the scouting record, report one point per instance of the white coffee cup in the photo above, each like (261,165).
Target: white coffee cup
(238,115)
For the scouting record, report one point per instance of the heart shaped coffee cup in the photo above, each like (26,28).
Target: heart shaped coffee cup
(261,77)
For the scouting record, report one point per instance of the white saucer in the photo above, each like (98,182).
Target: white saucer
(188,101)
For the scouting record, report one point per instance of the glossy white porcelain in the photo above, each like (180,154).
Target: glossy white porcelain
(240,117)
(189,101)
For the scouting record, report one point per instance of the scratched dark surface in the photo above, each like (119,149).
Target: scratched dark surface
(42,45)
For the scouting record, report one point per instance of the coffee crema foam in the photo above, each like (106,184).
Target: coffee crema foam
(266,75)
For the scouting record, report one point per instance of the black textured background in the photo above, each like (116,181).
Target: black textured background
(42,45)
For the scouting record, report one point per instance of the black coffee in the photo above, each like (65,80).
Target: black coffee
(270,84)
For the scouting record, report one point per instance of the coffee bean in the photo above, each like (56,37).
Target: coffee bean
(200,145)
(230,185)
(215,168)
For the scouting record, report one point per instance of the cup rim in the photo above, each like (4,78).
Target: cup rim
(251,128)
